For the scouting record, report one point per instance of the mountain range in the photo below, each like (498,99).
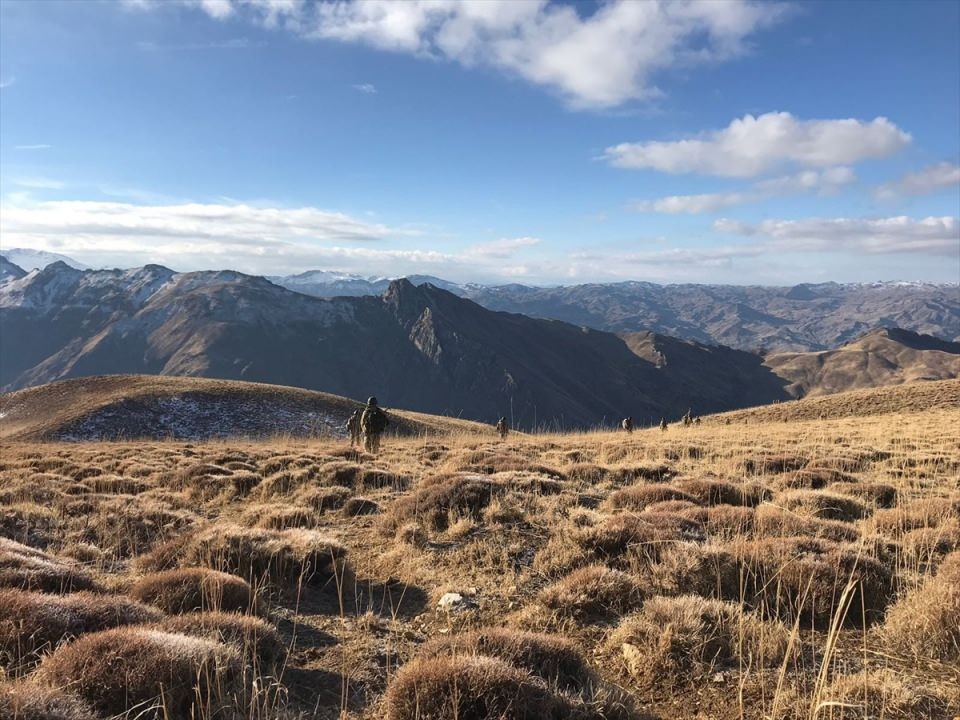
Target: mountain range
(800,318)
(417,347)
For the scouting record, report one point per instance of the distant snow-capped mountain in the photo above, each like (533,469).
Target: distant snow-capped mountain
(331,283)
(38,259)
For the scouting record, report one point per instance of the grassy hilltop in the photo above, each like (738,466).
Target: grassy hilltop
(800,560)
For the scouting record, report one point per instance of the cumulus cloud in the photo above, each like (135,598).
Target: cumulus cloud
(930,236)
(824,182)
(548,44)
(366,88)
(928,180)
(752,146)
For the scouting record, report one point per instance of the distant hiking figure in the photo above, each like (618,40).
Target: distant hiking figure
(353,427)
(502,428)
(373,422)
(696,420)
(627,424)
(688,418)
(663,424)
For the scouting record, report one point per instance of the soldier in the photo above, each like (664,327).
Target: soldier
(373,422)
(353,427)
(628,424)
(663,424)
(696,420)
(502,428)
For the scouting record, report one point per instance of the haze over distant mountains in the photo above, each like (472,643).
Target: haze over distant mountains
(421,348)
(804,317)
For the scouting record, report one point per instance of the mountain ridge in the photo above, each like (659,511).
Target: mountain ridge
(419,347)
(802,317)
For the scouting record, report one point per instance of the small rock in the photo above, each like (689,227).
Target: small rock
(454,602)
(718,677)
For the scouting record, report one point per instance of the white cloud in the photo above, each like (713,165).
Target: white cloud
(231,225)
(218,9)
(503,248)
(824,182)
(692,204)
(928,180)
(752,146)
(259,240)
(930,236)
(38,146)
(366,88)
(39,183)
(702,257)
(548,44)
(7,82)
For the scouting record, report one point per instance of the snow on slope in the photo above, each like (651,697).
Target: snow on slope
(38,259)
(197,416)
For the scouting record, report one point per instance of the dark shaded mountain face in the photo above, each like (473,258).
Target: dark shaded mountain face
(420,348)
(9,271)
(804,317)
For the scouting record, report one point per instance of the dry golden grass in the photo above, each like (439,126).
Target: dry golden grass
(764,570)
(678,640)
(193,589)
(117,670)
(35,623)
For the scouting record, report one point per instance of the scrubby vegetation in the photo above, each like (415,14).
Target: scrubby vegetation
(747,570)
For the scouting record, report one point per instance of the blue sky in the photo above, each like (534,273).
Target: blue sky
(523,142)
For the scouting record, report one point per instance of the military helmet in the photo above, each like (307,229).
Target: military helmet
(371,401)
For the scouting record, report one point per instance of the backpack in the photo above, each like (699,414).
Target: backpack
(374,420)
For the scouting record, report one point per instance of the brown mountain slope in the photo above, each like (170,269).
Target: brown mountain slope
(414,347)
(905,398)
(878,358)
(152,406)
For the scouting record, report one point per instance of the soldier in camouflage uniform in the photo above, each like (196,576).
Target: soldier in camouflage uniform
(663,424)
(353,427)
(502,428)
(627,424)
(373,422)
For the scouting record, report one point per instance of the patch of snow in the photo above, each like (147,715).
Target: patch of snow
(193,417)
(38,259)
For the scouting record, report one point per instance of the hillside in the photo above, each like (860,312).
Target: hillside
(144,406)
(730,572)
(9,270)
(912,397)
(878,358)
